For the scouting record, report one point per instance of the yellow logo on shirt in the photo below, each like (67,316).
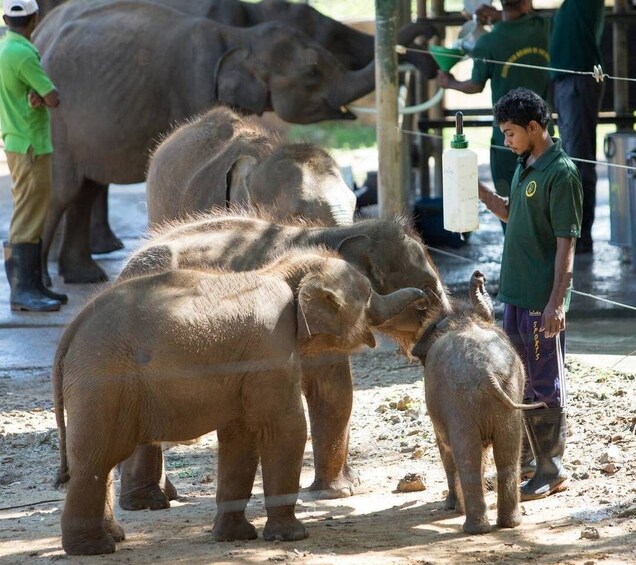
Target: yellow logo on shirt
(531,189)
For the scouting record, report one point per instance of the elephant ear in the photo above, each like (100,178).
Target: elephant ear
(318,311)
(237,188)
(238,82)
(358,251)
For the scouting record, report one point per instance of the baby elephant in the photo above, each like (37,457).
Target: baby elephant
(473,385)
(172,356)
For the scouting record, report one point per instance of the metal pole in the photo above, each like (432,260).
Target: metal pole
(392,194)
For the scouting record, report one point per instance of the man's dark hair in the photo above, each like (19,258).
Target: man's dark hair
(19,21)
(520,106)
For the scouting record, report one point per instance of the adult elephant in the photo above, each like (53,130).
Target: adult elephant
(221,158)
(352,48)
(128,70)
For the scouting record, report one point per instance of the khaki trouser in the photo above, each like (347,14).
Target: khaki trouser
(31,192)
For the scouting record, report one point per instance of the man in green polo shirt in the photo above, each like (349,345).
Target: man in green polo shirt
(518,36)
(543,214)
(25,93)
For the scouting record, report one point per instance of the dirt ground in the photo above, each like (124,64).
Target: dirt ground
(594,521)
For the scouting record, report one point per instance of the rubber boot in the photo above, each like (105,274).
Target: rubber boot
(546,431)
(63,298)
(22,263)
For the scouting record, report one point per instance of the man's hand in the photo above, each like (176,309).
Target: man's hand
(552,320)
(486,14)
(36,100)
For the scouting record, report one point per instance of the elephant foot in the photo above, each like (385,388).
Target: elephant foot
(147,497)
(452,503)
(479,525)
(105,243)
(170,490)
(82,274)
(81,544)
(342,486)
(509,521)
(115,530)
(289,530)
(231,527)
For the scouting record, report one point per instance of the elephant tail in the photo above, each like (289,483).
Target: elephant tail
(500,393)
(63,474)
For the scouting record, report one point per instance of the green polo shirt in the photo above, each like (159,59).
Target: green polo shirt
(524,40)
(546,202)
(20,71)
(576,36)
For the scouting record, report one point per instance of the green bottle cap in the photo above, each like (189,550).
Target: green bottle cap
(459,140)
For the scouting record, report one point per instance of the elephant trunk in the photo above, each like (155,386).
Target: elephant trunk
(382,308)
(352,85)
(482,304)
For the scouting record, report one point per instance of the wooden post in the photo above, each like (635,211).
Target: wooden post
(392,192)
(621,67)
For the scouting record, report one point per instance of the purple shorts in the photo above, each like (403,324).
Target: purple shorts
(543,358)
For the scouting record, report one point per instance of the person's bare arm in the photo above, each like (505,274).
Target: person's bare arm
(553,319)
(447,80)
(498,205)
(51,99)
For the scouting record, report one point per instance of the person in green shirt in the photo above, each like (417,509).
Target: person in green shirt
(576,46)
(518,36)
(543,214)
(25,94)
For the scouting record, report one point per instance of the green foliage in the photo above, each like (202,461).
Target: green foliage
(334,135)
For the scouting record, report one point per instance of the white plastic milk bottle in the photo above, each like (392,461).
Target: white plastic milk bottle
(460,195)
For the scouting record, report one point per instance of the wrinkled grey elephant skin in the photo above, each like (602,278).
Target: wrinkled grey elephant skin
(473,385)
(171,356)
(382,250)
(221,158)
(121,88)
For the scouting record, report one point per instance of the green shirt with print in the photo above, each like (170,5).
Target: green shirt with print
(524,40)
(20,72)
(546,202)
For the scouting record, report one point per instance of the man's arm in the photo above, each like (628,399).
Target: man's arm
(553,319)
(498,205)
(447,80)
(51,99)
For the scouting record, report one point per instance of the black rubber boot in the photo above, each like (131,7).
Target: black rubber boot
(546,431)
(63,298)
(22,263)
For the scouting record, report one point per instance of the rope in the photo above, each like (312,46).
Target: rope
(31,504)
(585,294)
(500,148)
(597,74)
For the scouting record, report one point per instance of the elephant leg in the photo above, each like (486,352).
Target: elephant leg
(452,501)
(75,262)
(141,480)
(468,453)
(506,451)
(110,523)
(238,460)
(328,388)
(282,444)
(103,240)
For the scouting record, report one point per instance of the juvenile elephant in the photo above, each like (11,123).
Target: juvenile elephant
(172,356)
(122,87)
(389,256)
(221,158)
(473,386)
